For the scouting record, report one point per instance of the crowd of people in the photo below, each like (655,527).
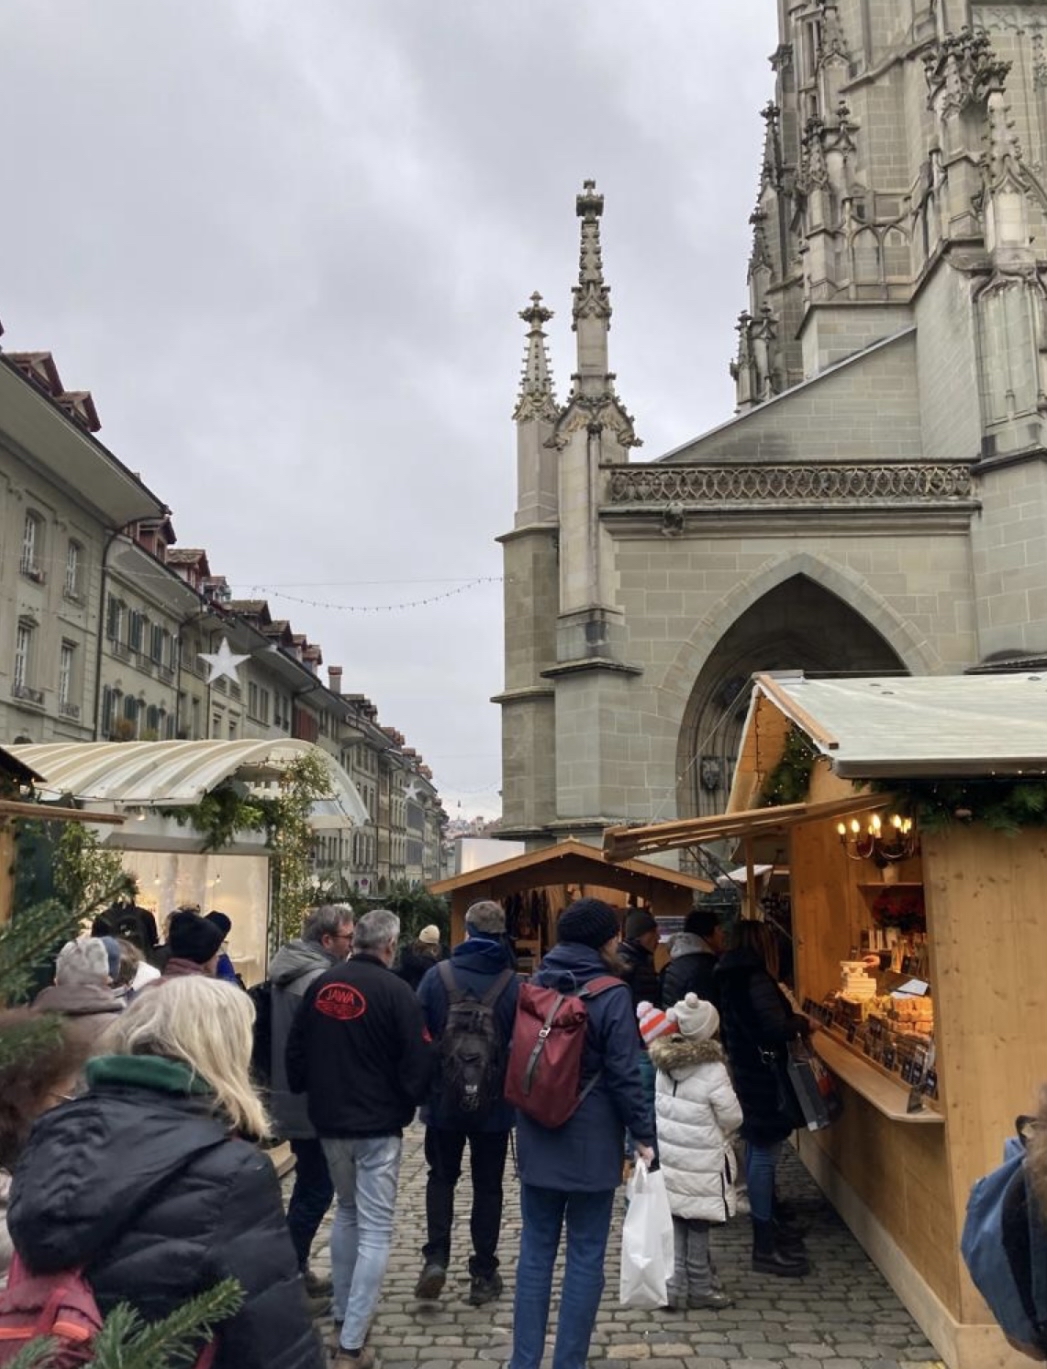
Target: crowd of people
(129,1134)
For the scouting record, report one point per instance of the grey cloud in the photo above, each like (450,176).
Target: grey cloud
(285,246)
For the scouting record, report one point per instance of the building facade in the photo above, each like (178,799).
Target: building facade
(106,624)
(878,502)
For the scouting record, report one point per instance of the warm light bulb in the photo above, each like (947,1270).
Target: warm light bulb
(896,820)
(841,829)
(856,826)
(874,825)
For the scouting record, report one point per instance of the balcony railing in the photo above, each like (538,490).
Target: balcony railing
(120,650)
(27,695)
(68,710)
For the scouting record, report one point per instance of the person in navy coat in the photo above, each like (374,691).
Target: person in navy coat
(568,1175)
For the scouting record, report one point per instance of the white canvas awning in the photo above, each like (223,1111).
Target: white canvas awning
(150,775)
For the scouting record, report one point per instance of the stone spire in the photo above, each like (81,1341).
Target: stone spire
(537,398)
(591,314)
(593,405)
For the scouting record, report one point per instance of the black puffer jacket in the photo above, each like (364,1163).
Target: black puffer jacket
(139,1183)
(640,974)
(691,969)
(755,1017)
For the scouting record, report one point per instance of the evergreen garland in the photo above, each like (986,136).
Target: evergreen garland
(1002,805)
(790,779)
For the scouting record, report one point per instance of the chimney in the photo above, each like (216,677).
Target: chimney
(334,677)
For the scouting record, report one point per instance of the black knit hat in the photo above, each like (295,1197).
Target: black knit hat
(223,923)
(192,937)
(638,922)
(589,922)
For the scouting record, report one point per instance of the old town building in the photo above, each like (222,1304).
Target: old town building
(878,502)
(107,622)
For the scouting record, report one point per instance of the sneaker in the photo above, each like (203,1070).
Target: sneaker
(364,1360)
(484,1289)
(430,1282)
(316,1285)
(716,1301)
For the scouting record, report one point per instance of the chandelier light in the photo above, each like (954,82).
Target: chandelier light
(879,841)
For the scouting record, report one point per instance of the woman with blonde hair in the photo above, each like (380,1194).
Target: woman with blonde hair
(150,1182)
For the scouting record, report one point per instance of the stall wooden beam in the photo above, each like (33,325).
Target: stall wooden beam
(622,843)
(13,809)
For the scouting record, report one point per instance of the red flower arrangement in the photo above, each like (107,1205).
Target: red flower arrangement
(901,908)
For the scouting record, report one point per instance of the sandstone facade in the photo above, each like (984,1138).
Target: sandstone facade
(878,502)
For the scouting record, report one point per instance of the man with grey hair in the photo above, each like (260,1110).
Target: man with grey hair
(469,1003)
(360,1051)
(327,938)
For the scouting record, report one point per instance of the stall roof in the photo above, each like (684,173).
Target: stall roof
(568,862)
(932,725)
(176,774)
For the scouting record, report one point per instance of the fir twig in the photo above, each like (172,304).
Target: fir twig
(36,1355)
(27,942)
(124,1342)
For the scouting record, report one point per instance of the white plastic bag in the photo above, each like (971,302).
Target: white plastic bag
(647,1241)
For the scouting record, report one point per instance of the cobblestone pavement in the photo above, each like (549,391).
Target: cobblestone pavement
(842,1316)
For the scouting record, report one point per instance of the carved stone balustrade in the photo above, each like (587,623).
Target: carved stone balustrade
(826,485)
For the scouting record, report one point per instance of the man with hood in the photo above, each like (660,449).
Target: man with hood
(327,938)
(693,954)
(480,967)
(82,992)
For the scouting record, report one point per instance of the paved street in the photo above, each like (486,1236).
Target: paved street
(843,1316)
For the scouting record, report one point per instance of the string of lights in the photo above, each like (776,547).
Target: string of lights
(270,591)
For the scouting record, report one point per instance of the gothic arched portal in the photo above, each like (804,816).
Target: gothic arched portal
(798,625)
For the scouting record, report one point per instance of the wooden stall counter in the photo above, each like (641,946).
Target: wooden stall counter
(885,1092)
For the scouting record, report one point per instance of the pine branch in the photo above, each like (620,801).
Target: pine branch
(28,942)
(126,1343)
(36,1355)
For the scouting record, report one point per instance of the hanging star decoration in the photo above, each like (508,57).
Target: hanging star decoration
(222,662)
(413,790)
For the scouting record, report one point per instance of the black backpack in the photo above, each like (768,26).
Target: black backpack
(472,1053)
(261,995)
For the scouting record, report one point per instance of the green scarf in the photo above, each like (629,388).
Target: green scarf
(146,1071)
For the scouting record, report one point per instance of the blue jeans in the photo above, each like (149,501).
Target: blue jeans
(760,1165)
(365,1171)
(310,1197)
(588,1220)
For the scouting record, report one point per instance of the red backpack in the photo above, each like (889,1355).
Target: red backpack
(63,1307)
(545,1059)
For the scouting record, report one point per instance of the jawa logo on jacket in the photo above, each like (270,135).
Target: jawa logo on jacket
(341,1001)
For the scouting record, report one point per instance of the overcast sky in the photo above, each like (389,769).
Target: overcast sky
(284,245)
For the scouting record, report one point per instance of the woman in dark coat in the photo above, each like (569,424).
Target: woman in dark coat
(758,1023)
(145,1183)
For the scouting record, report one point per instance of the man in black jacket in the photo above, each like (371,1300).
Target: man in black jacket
(693,954)
(360,1050)
(636,951)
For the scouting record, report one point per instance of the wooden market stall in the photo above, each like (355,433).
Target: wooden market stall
(934,1080)
(536,887)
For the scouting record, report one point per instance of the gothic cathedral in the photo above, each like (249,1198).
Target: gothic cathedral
(878,502)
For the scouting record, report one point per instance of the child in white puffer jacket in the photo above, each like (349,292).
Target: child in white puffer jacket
(697,1114)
